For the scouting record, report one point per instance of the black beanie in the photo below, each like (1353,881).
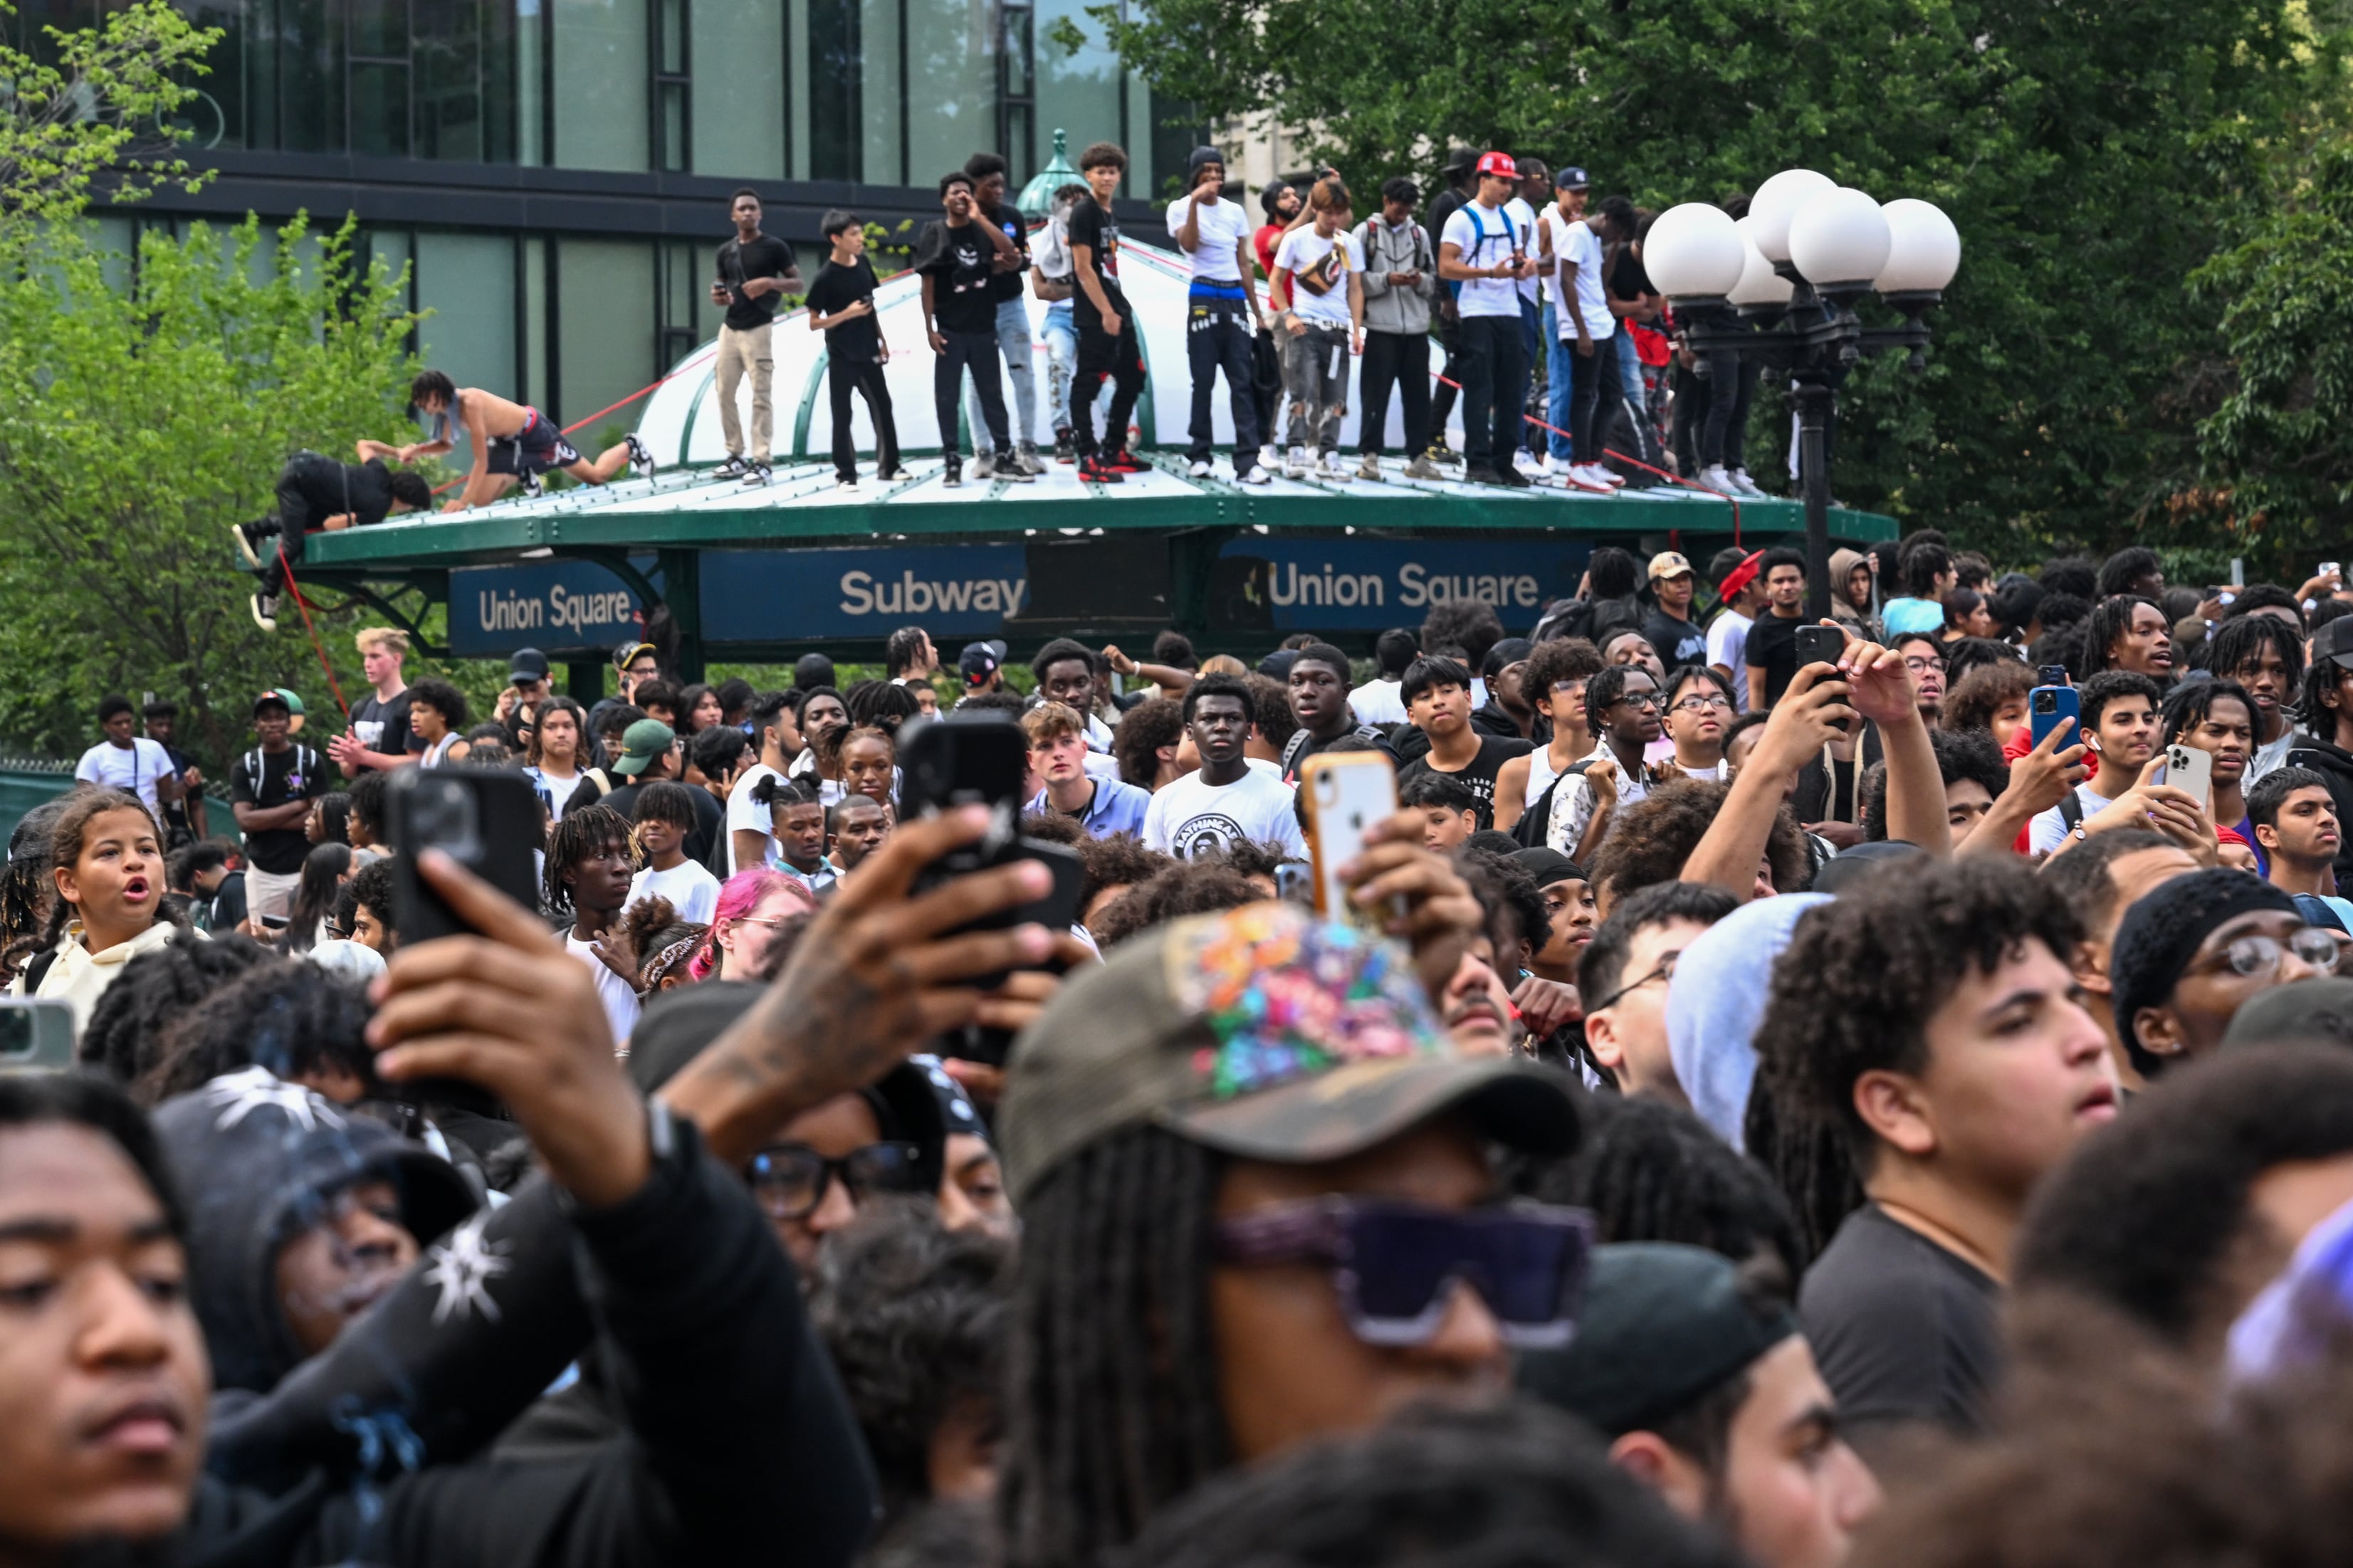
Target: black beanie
(2162,932)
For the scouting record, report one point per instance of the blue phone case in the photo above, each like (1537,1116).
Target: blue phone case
(2050,708)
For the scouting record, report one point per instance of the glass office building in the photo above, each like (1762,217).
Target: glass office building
(555,173)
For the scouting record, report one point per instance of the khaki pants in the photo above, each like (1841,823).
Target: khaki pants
(268,893)
(739,351)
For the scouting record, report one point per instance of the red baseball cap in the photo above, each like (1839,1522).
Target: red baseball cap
(1498,163)
(1740,576)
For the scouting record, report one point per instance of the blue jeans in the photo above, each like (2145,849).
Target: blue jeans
(1630,367)
(1062,335)
(1013,344)
(1561,384)
(1531,345)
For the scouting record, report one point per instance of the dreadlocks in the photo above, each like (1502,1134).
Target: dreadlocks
(1115,1410)
(588,830)
(27,890)
(124,1036)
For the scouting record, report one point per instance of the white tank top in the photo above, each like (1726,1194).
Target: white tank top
(1541,773)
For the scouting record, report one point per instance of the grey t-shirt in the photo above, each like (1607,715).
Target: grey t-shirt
(1905,1330)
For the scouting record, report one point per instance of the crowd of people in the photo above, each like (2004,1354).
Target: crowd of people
(1869,1108)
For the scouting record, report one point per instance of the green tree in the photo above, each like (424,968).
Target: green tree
(2092,160)
(137,426)
(94,104)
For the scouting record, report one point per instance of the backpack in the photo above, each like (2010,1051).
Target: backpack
(1454,285)
(306,762)
(1375,738)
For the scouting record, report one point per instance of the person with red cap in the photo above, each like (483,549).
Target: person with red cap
(1483,255)
(1740,589)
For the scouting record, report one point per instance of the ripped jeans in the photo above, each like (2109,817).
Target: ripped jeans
(1315,382)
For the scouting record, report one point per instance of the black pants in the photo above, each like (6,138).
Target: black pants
(1403,358)
(310,488)
(1266,383)
(977,353)
(1593,387)
(1218,338)
(1732,385)
(1101,355)
(1494,387)
(841,378)
(1441,402)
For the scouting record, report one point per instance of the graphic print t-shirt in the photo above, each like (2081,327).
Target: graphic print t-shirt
(1190,819)
(1319,271)
(956,260)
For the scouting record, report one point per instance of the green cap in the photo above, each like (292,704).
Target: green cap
(641,743)
(1264,1033)
(1661,1325)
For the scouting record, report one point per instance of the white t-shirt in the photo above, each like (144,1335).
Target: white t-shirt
(692,891)
(1224,224)
(1728,644)
(2046,831)
(1576,242)
(1482,237)
(133,769)
(1307,254)
(1190,819)
(2271,757)
(555,792)
(749,814)
(1378,703)
(620,998)
(1523,219)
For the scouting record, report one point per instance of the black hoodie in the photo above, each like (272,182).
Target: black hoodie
(2334,764)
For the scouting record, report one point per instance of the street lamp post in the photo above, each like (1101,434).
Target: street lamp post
(1780,286)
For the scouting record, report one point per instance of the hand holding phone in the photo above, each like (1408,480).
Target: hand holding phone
(2050,708)
(2191,771)
(1347,792)
(1823,645)
(488,821)
(36,1034)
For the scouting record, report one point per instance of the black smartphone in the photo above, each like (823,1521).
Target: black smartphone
(274,922)
(1823,645)
(489,822)
(2052,675)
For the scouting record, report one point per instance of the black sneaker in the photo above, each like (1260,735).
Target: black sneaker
(265,610)
(1095,471)
(1511,478)
(951,475)
(732,469)
(639,458)
(1439,452)
(1481,474)
(528,487)
(1065,451)
(895,477)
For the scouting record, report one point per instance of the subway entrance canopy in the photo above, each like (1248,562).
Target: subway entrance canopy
(768,573)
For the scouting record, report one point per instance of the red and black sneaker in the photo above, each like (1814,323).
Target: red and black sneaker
(1097,470)
(1125,461)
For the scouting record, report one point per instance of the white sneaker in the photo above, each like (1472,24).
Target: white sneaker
(1296,468)
(985,466)
(1746,486)
(1581,476)
(1257,475)
(1525,461)
(1714,478)
(1199,468)
(1334,468)
(1610,476)
(845,484)
(1369,469)
(1269,458)
(1556,468)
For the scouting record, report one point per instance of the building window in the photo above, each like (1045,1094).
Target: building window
(673,78)
(836,72)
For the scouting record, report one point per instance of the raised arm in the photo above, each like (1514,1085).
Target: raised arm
(1733,845)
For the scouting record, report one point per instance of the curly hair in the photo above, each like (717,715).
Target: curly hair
(1968,756)
(590,829)
(66,833)
(2120,572)
(2151,1215)
(1054,828)
(28,891)
(1470,625)
(1562,658)
(1966,654)
(124,1036)
(1187,887)
(1270,703)
(1155,722)
(915,1320)
(1648,1171)
(1252,859)
(443,699)
(1504,887)
(1121,860)
(1974,698)
(292,1017)
(1650,839)
(882,705)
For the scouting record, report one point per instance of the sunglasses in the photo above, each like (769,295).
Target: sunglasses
(1392,1262)
(789,1179)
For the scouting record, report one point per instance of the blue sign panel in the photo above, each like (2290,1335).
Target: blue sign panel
(776,596)
(555,606)
(1367,584)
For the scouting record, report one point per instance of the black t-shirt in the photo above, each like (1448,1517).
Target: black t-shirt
(297,773)
(1905,1332)
(1004,285)
(1678,642)
(1773,649)
(710,819)
(1092,226)
(837,287)
(1627,279)
(1352,739)
(364,489)
(383,726)
(1494,752)
(1442,207)
(956,260)
(766,256)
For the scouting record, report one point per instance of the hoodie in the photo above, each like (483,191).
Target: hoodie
(258,1160)
(1712,1027)
(2334,764)
(1843,562)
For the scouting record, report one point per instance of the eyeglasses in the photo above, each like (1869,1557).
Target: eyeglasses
(1393,1262)
(789,1179)
(2256,956)
(1665,970)
(1701,704)
(1642,700)
(1919,666)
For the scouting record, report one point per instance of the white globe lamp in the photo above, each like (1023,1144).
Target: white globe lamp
(1695,251)
(1759,287)
(1840,240)
(1924,249)
(1775,205)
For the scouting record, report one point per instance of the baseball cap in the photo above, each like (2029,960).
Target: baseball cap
(1263,1033)
(1460,158)
(528,664)
(2335,640)
(1661,1324)
(1278,663)
(641,743)
(625,654)
(277,698)
(980,661)
(1571,178)
(1498,163)
(1670,563)
(1740,576)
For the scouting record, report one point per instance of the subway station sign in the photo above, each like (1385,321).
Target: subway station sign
(557,607)
(1369,584)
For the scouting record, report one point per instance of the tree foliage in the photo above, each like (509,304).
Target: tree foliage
(2092,157)
(91,104)
(142,417)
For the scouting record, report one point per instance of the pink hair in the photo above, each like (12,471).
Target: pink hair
(739,896)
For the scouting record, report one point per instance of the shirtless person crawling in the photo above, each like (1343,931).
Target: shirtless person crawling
(512,443)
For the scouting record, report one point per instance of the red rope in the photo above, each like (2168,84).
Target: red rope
(316,645)
(1631,462)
